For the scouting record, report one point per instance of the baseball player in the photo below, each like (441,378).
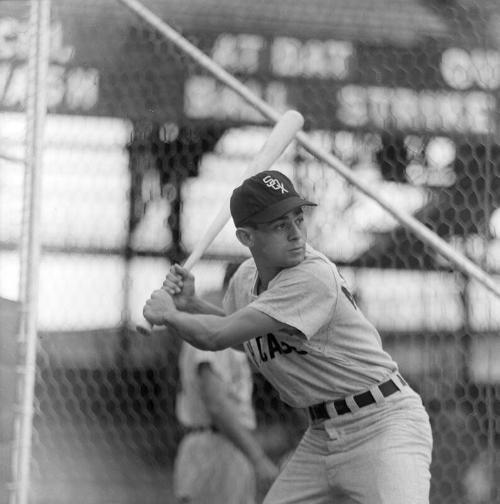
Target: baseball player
(219,457)
(369,439)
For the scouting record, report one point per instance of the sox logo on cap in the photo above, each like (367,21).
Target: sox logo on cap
(274,183)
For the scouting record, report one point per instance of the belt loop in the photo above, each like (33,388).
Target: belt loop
(351,404)
(330,408)
(377,394)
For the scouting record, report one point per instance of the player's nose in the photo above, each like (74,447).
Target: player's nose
(294,231)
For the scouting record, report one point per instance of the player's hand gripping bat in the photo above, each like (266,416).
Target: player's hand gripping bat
(280,137)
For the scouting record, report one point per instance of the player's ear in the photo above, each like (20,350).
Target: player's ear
(245,236)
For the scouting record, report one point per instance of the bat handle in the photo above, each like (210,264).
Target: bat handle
(144,329)
(192,259)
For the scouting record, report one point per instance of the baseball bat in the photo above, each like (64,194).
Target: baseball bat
(278,140)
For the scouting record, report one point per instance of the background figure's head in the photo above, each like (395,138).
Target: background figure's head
(228,274)
(216,295)
(267,212)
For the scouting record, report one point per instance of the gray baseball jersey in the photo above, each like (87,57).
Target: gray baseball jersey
(330,351)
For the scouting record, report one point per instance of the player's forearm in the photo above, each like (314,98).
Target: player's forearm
(198,305)
(200,330)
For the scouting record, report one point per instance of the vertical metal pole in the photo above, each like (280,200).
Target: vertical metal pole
(492,421)
(36,108)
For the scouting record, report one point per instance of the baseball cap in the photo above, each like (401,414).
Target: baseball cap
(264,197)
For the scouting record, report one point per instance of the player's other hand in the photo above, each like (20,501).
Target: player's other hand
(159,307)
(266,472)
(179,283)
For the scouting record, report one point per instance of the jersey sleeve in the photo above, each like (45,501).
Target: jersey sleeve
(303,297)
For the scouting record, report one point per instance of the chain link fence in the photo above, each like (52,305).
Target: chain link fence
(141,145)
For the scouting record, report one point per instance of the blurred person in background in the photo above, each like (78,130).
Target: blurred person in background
(481,479)
(219,459)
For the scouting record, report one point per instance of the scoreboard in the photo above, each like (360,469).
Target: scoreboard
(125,69)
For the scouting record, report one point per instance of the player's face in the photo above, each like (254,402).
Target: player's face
(281,243)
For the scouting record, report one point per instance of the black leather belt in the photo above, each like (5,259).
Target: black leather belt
(320,411)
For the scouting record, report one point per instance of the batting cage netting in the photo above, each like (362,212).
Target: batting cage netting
(140,145)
